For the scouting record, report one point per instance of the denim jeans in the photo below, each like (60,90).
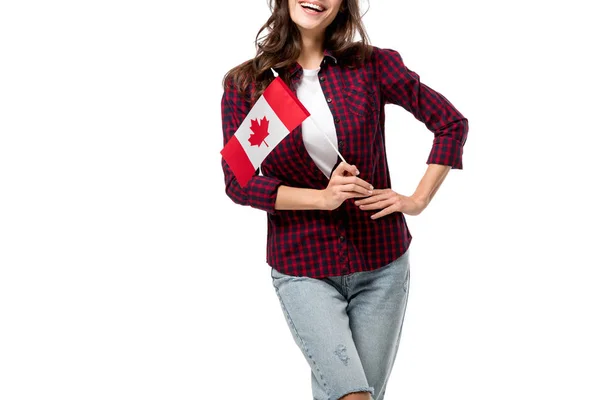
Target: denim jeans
(348,327)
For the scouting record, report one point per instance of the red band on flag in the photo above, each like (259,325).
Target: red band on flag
(238,161)
(285,104)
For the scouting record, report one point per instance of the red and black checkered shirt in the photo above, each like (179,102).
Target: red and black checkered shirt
(319,243)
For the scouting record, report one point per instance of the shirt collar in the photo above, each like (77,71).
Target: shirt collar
(329,55)
(327,58)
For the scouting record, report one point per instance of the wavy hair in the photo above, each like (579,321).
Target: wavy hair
(282,44)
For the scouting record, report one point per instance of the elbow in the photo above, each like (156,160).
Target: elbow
(236,193)
(455,131)
(462,131)
(233,190)
(448,144)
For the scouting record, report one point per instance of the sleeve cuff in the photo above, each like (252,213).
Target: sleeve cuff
(262,193)
(446,151)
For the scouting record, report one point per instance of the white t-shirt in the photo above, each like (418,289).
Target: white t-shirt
(311,95)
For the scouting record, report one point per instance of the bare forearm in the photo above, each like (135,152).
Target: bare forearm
(431,182)
(344,184)
(387,201)
(291,198)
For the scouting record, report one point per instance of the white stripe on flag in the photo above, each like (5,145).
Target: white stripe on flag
(277,132)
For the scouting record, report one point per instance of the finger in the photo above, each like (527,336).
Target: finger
(343,167)
(352,195)
(383,213)
(378,205)
(352,187)
(355,180)
(372,199)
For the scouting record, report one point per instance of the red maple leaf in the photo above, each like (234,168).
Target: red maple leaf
(260,129)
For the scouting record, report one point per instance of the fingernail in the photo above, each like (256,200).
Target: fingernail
(357,172)
(370,192)
(371,187)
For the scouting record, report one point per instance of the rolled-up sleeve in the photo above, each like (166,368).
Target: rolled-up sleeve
(261,191)
(401,86)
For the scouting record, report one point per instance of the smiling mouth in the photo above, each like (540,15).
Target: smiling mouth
(311,7)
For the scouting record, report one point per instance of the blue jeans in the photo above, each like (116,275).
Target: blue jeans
(348,327)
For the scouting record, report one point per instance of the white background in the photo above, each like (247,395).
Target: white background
(126,272)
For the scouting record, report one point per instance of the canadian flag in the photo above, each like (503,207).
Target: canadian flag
(274,115)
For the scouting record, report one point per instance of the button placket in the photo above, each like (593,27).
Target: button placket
(329,98)
(342,240)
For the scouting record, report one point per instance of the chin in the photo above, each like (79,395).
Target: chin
(307,21)
(309,26)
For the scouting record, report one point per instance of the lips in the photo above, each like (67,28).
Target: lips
(312,6)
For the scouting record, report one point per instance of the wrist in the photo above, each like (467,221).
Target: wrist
(421,200)
(319,199)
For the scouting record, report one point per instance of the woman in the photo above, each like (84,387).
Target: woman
(337,238)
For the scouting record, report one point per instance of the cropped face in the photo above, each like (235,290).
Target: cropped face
(313,15)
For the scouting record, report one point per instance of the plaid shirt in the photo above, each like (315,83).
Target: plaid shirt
(319,243)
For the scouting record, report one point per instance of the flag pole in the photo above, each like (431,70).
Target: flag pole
(275,74)
(327,137)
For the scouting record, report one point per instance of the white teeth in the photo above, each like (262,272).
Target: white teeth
(313,6)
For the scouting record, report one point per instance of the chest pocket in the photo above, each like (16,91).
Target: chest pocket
(359,98)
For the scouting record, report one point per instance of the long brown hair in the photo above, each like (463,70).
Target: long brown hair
(282,45)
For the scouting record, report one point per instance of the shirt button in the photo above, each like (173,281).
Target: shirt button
(340,144)
(329,99)
(336,120)
(322,78)
(342,238)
